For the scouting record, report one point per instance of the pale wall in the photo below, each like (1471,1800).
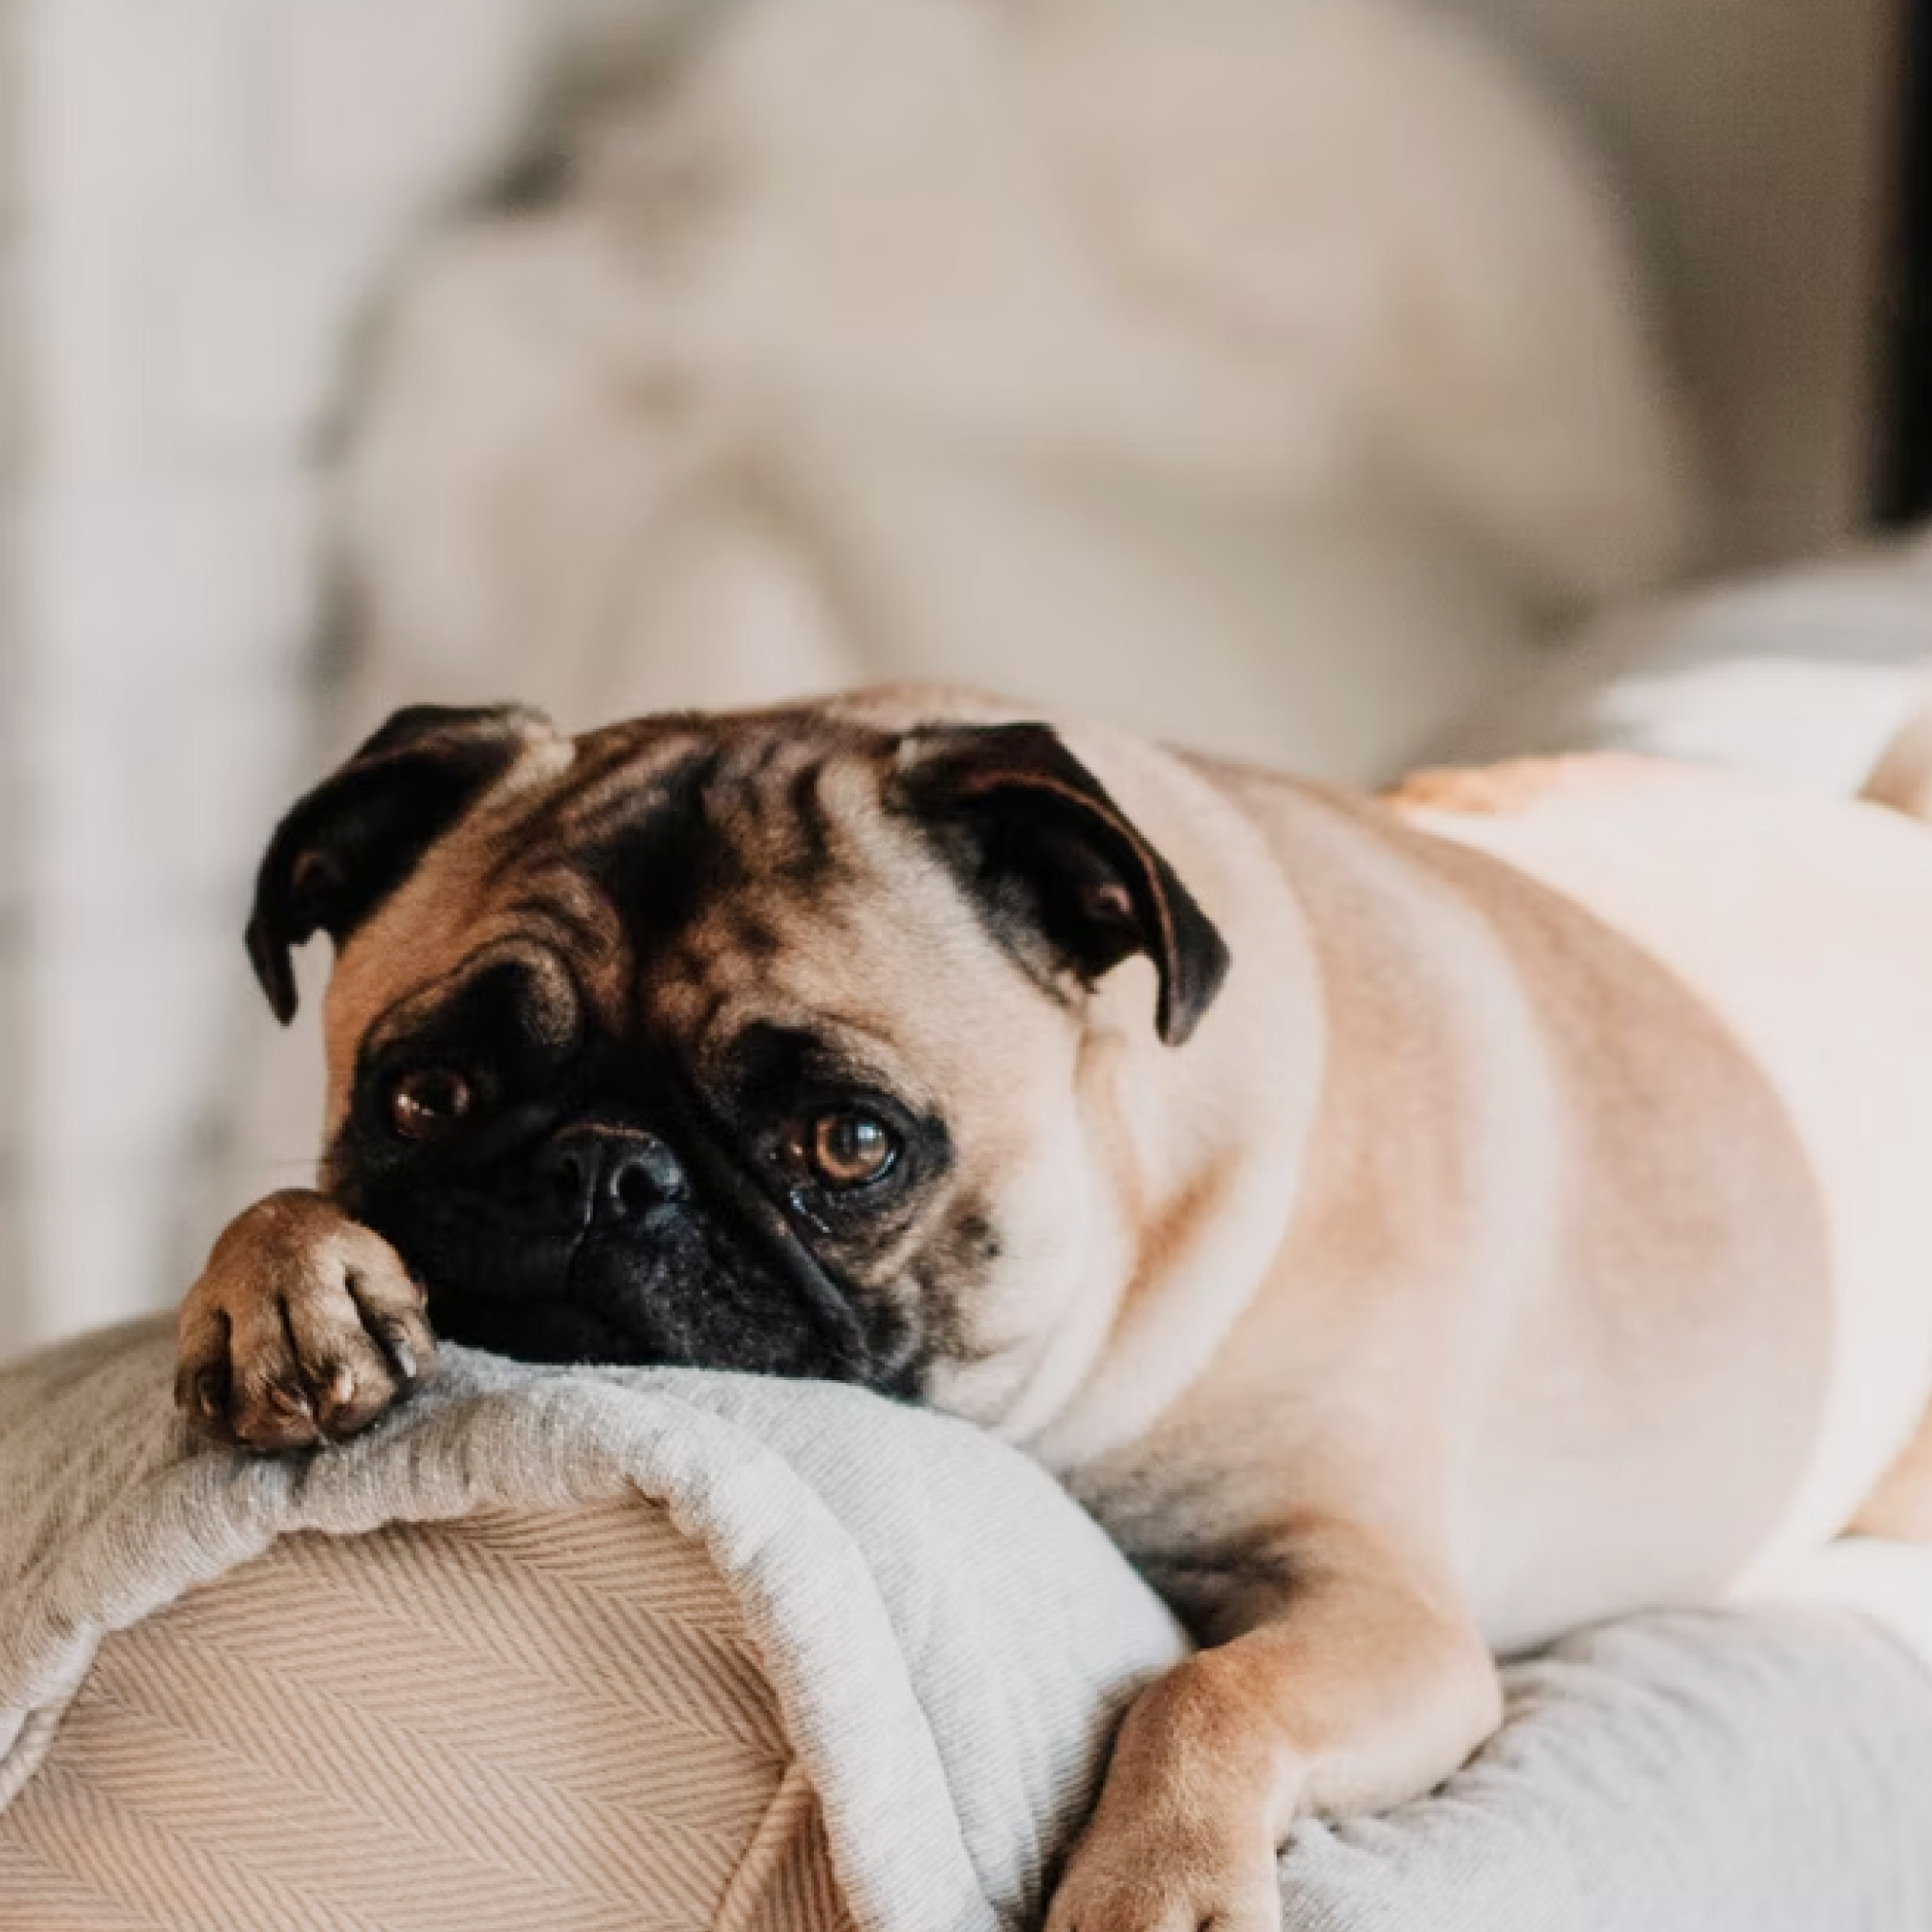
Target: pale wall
(211,190)
(1757,136)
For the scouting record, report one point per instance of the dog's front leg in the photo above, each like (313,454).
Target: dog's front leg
(303,1328)
(1357,1684)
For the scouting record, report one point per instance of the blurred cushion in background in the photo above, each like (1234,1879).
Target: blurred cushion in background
(1805,674)
(1258,374)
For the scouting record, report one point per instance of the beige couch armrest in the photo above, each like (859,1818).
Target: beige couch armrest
(548,1721)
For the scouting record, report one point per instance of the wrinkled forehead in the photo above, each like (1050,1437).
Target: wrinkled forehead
(699,878)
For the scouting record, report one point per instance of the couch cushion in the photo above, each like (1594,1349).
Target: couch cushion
(1803,674)
(832,1597)
(518,1719)
(946,1638)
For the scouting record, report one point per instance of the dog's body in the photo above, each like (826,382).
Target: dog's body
(1533,1223)
(1589,1195)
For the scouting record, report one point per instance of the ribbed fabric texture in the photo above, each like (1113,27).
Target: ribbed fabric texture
(520,1723)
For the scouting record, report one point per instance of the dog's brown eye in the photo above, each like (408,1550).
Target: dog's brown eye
(847,1149)
(427,1102)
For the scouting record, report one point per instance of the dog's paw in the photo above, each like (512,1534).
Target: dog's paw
(1147,1876)
(303,1328)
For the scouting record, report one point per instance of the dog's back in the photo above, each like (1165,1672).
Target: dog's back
(1902,777)
(1805,925)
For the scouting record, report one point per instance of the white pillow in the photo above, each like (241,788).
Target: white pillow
(1806,674)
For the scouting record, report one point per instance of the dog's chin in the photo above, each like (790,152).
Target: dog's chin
(594,1301)
(666,1298)
(553,1329)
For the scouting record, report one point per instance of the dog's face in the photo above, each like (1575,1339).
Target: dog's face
(760,1042)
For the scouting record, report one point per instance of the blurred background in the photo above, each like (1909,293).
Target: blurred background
(1329,382)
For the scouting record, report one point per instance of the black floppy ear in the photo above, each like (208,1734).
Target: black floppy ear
(352,841)
(1048,851)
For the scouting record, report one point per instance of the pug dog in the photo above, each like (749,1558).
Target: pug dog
(1414,1227)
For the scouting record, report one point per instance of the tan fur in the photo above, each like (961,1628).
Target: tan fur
(1902,777)
(1538,1226)
(322,1321)
(1610,1280)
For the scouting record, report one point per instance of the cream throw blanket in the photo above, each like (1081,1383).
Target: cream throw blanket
(949,1639)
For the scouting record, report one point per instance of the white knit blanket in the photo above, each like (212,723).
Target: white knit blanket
(950,1639)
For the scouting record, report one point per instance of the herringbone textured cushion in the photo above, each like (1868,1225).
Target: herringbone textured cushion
(518,1721)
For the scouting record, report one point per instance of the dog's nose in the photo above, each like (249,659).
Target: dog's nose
(609,1174)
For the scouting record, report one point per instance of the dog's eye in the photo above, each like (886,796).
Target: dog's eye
(848,1148)
(427,1101)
